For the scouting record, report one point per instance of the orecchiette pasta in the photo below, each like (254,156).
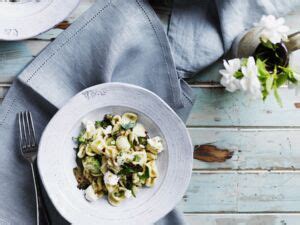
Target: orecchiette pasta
(115,157)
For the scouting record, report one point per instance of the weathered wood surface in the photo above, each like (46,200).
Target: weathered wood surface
(243,219)
(243,191)
(259,185)
(254,149)
(214,107)
(217,107)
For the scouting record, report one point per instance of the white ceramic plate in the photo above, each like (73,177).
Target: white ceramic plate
(56,158)
(27,18)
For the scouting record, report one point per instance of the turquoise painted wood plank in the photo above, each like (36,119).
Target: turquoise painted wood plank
(14,56)
(253,148)
(217,107)
(243,219)
(242,192)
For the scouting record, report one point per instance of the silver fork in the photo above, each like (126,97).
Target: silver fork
(29,148)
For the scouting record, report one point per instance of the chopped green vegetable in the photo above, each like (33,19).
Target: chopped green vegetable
(137,158)
(128,169)
(143,140)
(91,164)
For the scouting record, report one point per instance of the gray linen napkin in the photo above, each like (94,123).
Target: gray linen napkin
(115,40)
(201,31)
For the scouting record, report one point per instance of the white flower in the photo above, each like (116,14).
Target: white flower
(250,82)
(295,67)
(228,80)
(273,29)
(110,178)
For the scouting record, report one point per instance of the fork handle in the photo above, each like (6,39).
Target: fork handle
(41,211)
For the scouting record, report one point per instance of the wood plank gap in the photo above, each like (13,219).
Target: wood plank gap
(212,85)
(246,127)
(5,85)
(206,85)
(246,171)
(245,213)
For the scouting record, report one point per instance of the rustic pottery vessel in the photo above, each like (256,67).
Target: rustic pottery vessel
(248,43)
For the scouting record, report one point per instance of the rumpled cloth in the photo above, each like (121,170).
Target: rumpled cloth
(123,41)
(114,41)
(201,31)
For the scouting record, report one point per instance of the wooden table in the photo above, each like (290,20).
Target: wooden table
(260,184)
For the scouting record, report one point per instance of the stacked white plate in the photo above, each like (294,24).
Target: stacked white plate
(22,19)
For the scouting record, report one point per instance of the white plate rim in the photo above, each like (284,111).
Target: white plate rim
(95,92)
(30,26)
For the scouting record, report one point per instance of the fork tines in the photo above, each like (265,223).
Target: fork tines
(27,132)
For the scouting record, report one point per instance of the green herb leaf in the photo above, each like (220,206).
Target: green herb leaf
(277,97)
(136,158)
(143,140)
(146,175)
(128,169)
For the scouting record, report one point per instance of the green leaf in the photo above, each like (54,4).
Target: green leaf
(268,44)
(128,169)
(264,94)
(277,97)
(282,78)
(136,158)
(142,140)
(269,83)
(104,124)
(146,175)
(290,74)
(262,71)
(238,75)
